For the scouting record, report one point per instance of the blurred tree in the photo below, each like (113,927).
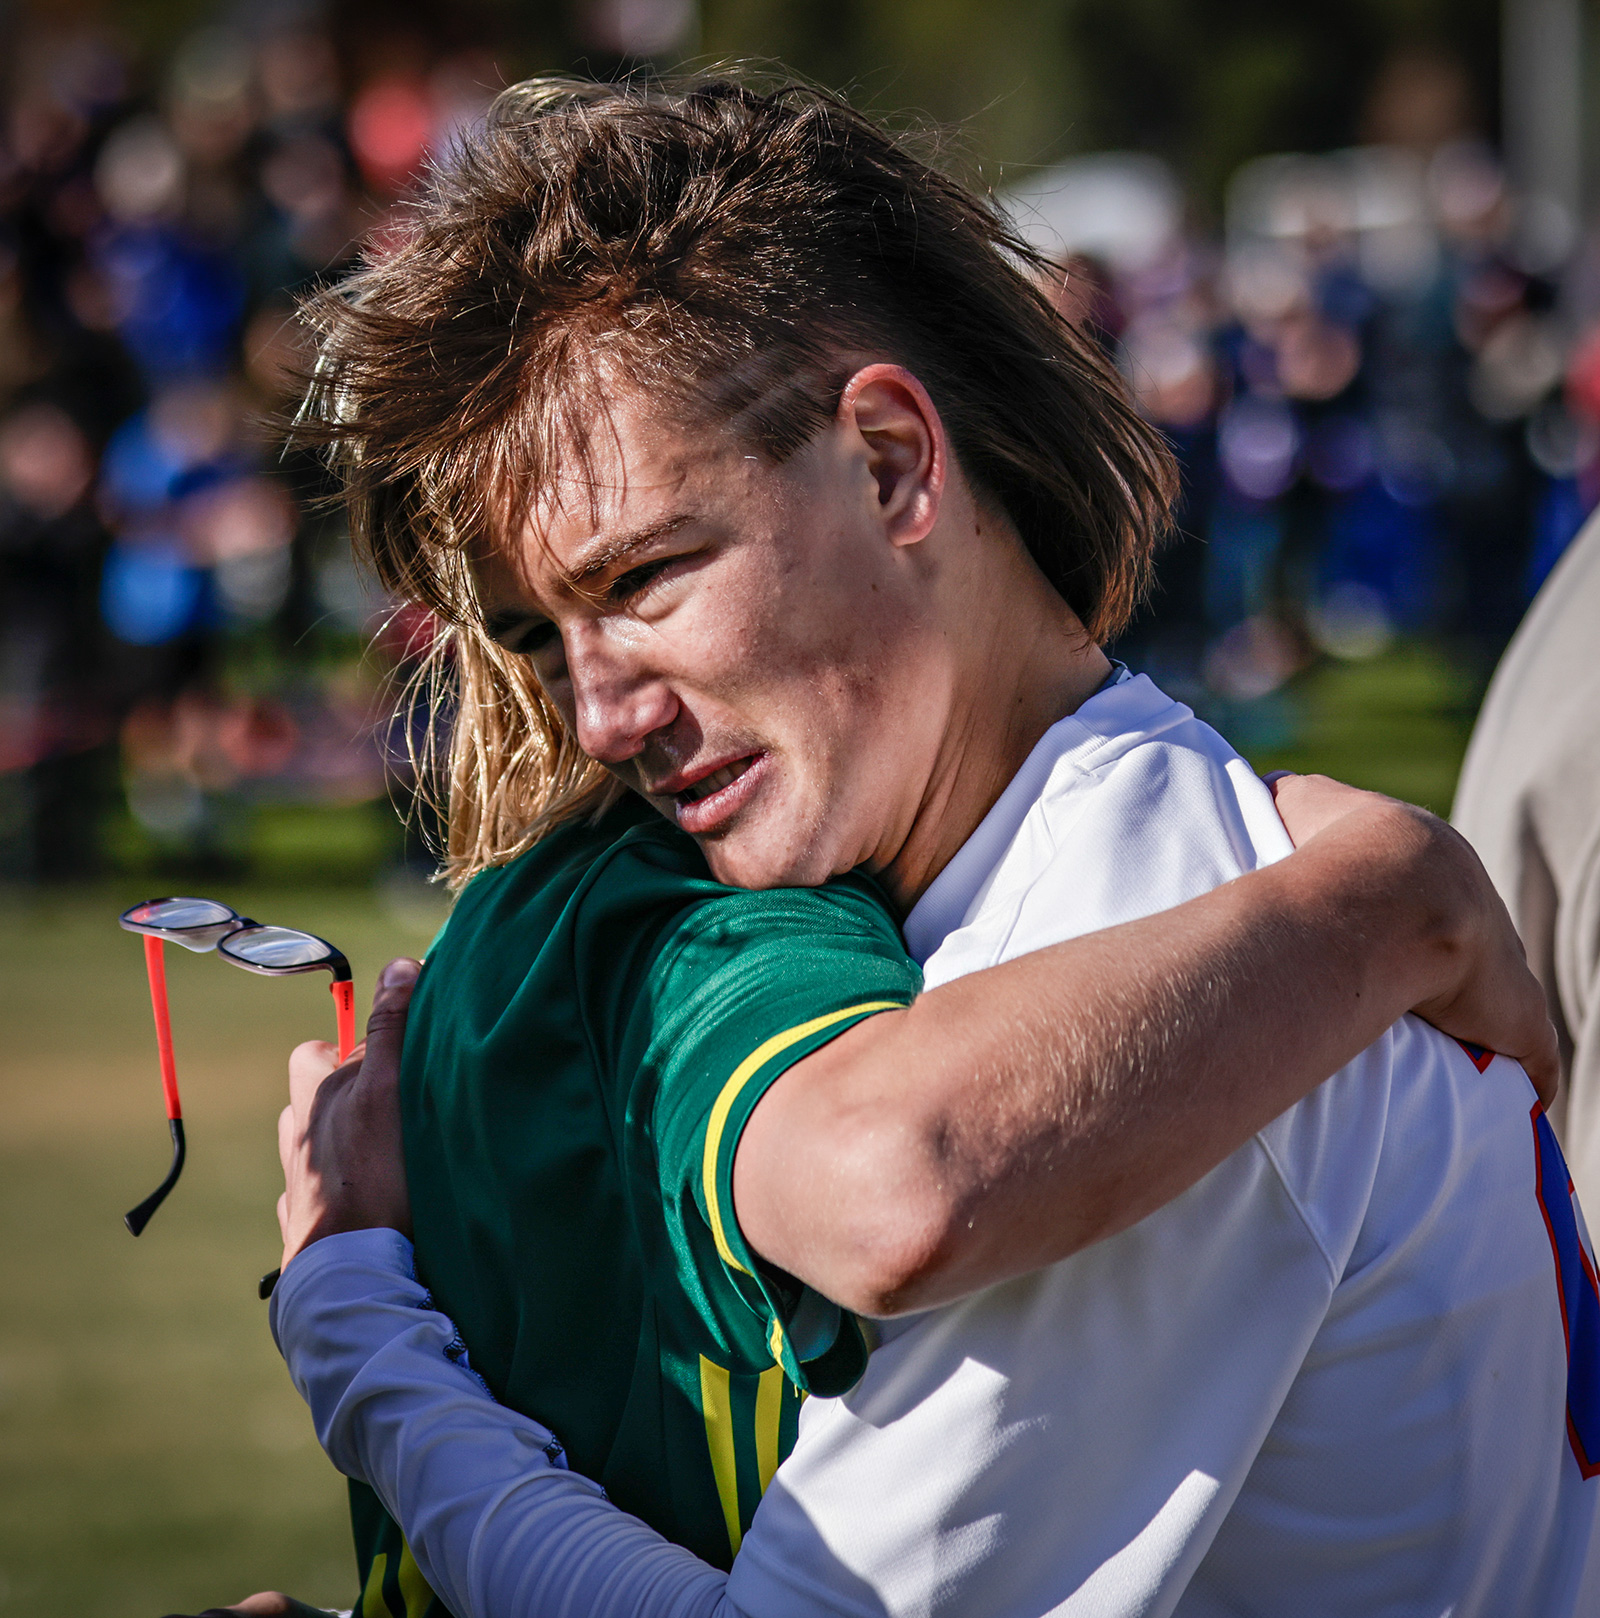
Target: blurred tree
(1211,83)
(1207,83)
(1004,76)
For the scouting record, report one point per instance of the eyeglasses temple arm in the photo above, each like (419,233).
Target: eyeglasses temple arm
(137,1218)
(155,965)
(344,1010)
(344,1006)
(156,968)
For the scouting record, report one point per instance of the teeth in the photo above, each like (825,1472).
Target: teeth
(717,780)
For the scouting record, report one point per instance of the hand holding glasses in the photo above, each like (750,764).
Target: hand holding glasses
(202,925)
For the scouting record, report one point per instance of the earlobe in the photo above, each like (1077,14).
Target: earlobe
(904,443)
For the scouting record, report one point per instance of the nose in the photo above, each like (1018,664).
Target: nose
(618,700)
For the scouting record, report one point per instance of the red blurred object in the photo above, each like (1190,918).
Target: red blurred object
(408,633)
(258,737)
(1583,377)
(391,123)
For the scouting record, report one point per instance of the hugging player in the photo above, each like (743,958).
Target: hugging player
(780,522)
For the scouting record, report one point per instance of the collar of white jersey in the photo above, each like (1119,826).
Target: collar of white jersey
(1126,702)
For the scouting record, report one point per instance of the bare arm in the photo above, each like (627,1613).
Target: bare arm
(1006,1120)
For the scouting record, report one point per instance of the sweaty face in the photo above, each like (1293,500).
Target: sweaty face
(738,642)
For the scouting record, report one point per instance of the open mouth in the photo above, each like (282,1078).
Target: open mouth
(707,806)
(716,781)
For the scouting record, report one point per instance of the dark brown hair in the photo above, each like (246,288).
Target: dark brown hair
(734,251)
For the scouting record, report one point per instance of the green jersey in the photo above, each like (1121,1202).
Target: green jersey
(589,1036)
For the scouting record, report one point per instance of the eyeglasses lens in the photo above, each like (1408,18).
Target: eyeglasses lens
(179,913)
(281,948)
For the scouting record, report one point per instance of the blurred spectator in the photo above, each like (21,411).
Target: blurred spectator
(1382,382)
(1384,391)
(182,629)
(55,727)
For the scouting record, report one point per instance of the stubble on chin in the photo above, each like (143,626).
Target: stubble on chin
(763,858)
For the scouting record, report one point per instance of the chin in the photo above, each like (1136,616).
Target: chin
(786,838)
(752,861)
(743,869)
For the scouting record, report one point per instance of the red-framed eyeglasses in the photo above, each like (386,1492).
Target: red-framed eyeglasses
(202,925)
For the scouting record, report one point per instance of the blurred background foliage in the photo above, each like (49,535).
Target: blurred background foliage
(1207,84)
(1344,252)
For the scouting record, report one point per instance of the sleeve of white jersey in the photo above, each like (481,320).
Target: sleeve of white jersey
(498,1524)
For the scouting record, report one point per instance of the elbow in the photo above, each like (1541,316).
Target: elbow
(900,1233)
(901,1268)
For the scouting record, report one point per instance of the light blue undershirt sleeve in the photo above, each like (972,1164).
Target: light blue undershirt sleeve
(499,1526)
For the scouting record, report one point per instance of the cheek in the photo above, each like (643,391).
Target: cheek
(845,702)
(733,640)
(557,691)
(848,642)
(801,649)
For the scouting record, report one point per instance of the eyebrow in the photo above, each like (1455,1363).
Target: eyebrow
(607,553)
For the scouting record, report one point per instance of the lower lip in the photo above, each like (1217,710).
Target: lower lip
(710,814)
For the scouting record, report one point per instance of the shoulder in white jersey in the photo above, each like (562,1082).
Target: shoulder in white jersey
(1355,1370)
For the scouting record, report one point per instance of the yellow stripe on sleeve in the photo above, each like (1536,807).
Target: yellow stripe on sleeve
(372,1603)
(751,1065)
(414,1589)
(717,1407)
(769,1408)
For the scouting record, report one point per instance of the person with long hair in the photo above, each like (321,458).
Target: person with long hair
(862,987)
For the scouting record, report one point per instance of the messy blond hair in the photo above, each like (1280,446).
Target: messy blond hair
(723,246)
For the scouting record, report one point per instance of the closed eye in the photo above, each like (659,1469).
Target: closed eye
(538,634)
(519,635)
(637,580)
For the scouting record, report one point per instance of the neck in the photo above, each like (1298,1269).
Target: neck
(1034,665)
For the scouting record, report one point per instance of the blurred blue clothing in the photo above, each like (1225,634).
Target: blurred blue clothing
(1556,520)
(140,473)
(1245,539)
(1389,546)
(179,304)
(151,593)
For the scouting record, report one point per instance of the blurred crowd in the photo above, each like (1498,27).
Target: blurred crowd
(1382,378)
(1383,385)
(182,633)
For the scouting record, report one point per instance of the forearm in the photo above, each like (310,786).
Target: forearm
(1012,1117)
(498,1525)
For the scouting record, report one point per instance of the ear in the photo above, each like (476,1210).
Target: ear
(907,453)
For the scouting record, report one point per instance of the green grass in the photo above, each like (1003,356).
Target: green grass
(153,1456)
(1397,724)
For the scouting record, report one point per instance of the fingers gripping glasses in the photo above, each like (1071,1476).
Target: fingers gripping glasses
(274,952)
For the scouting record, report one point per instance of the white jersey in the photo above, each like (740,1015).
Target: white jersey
(1333,1377)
